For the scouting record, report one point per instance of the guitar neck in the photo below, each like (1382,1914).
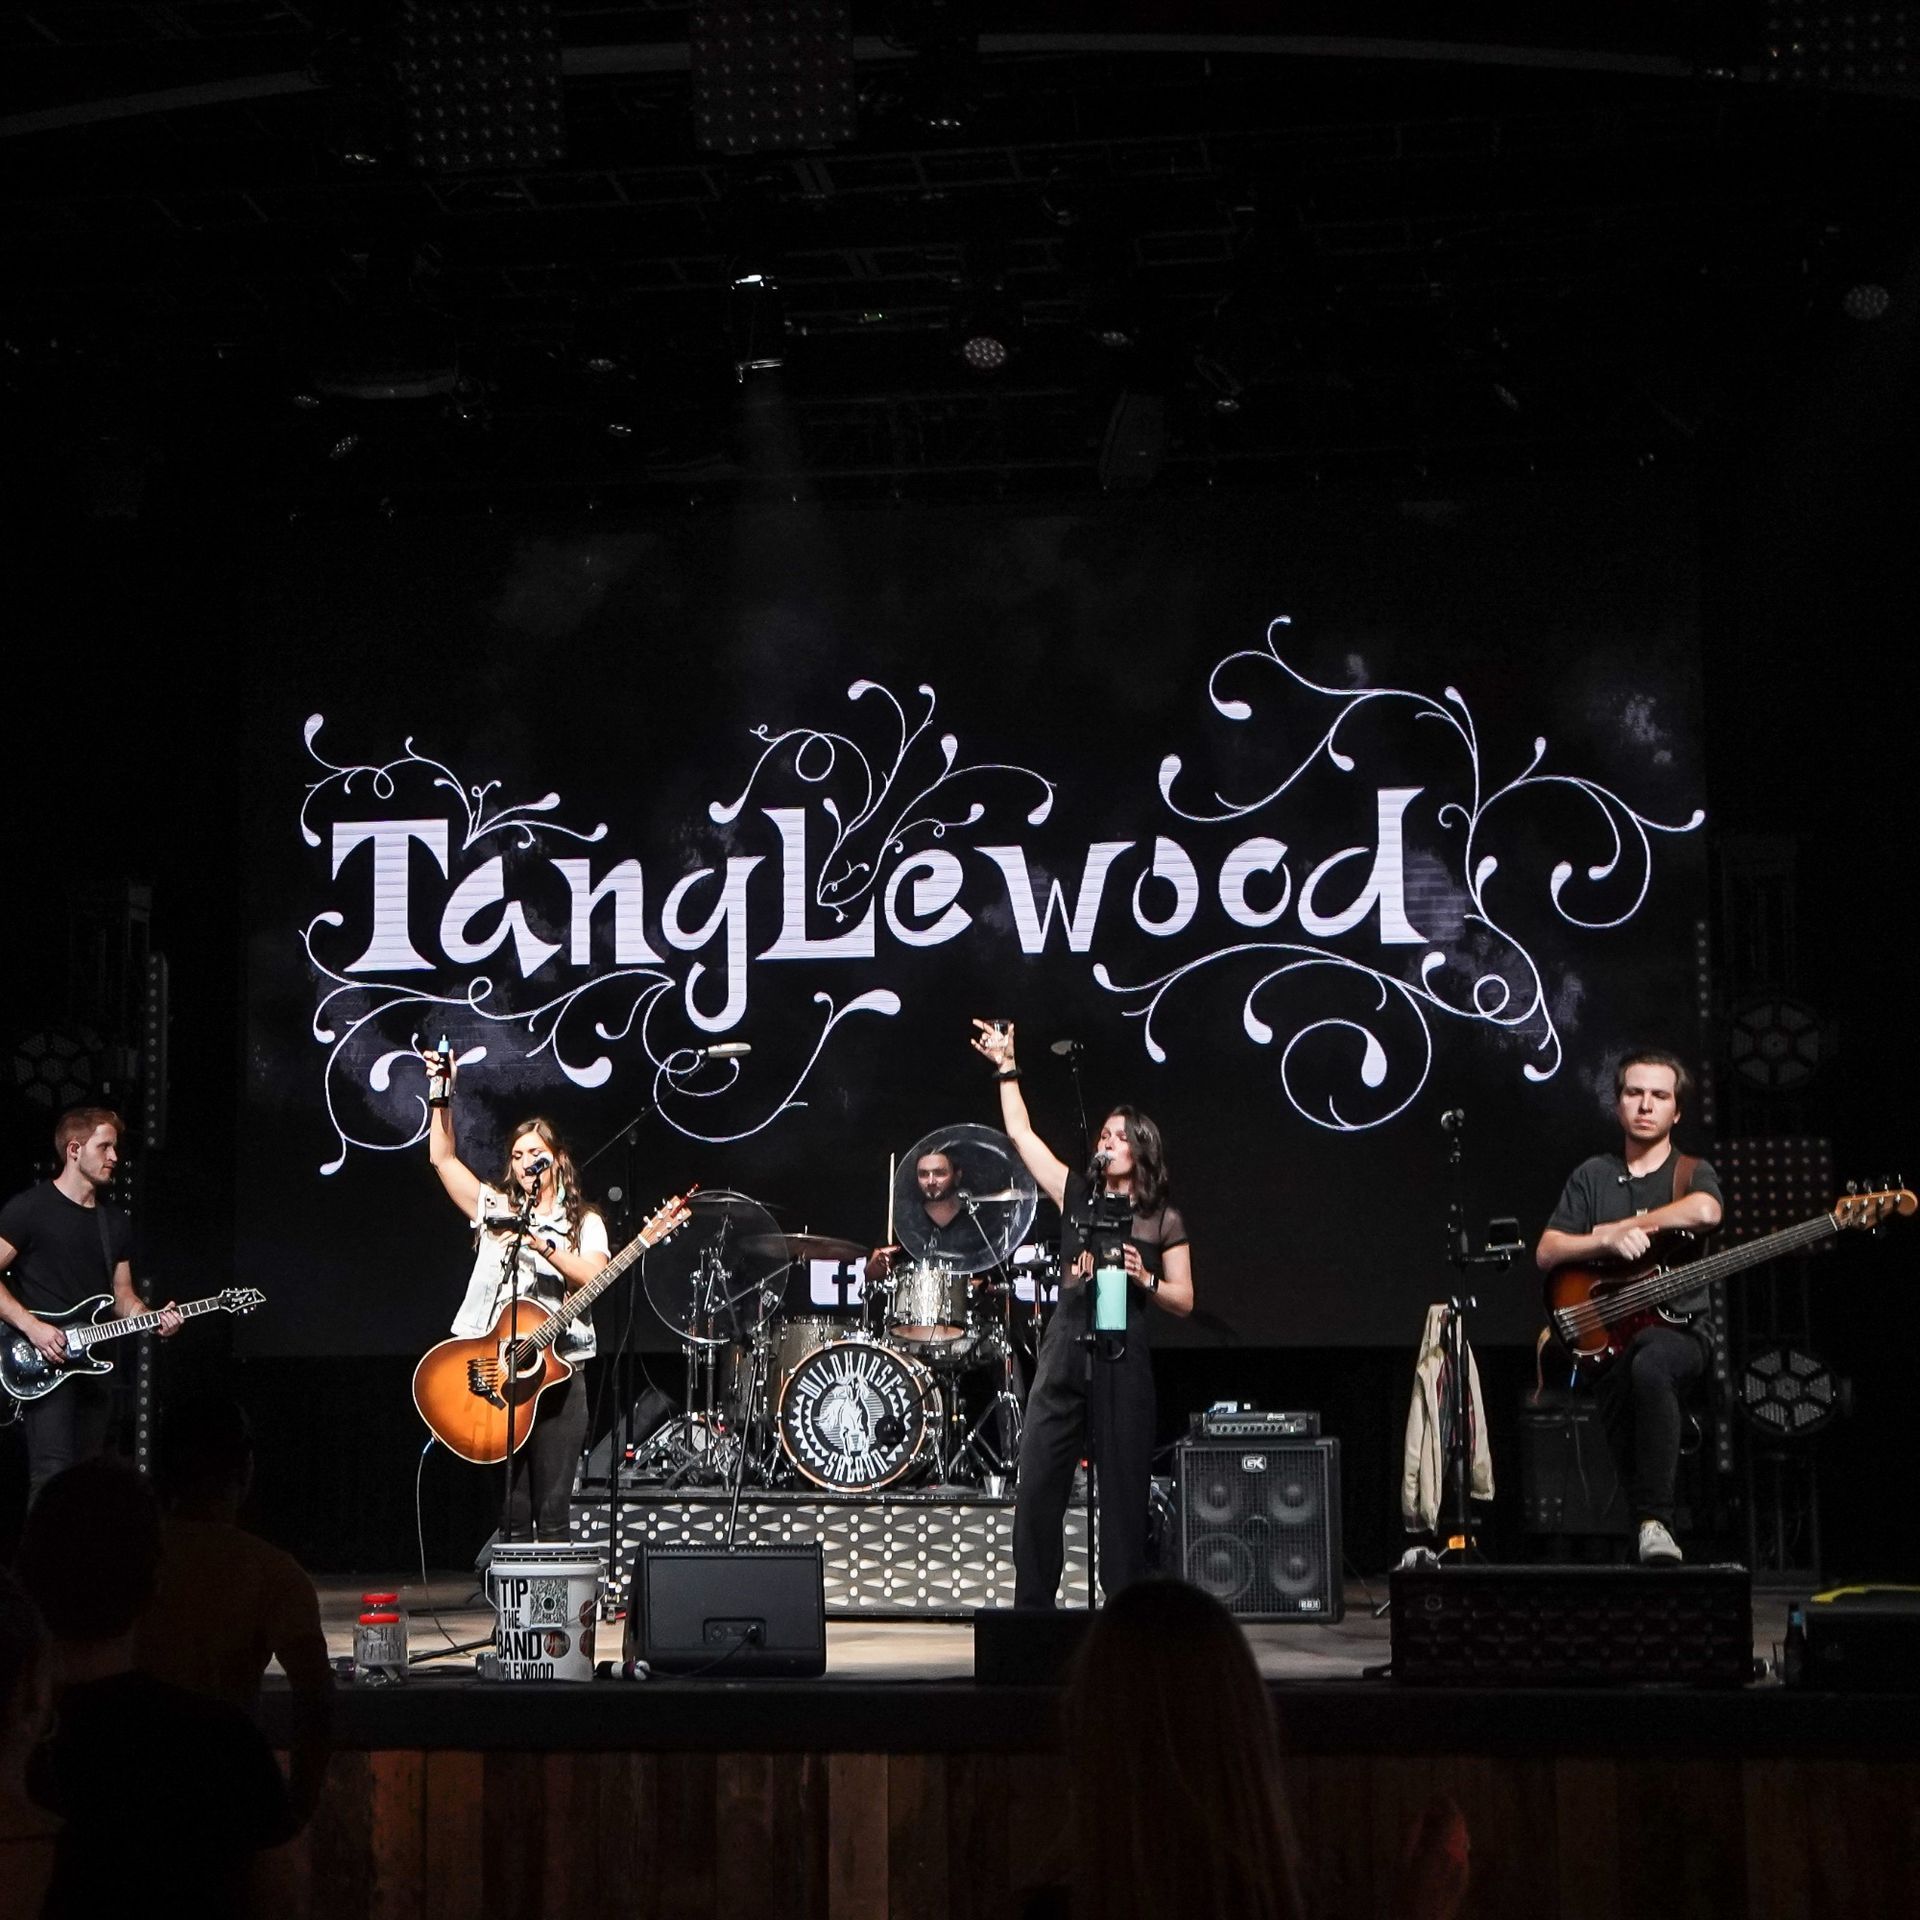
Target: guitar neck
(581,1298)
(1720,1266)
(89,1336)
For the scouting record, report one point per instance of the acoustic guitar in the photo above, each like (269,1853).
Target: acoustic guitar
(1596,1310)
(464,1388)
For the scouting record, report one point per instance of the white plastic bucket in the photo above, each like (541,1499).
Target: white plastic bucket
(546,1598)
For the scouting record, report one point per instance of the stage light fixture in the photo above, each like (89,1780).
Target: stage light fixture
(756,324)
(55,1069)
(985,329)
(1866,300)
(480,84)
(1775,1043)
(342,447)
(771,79)
(1789,1394)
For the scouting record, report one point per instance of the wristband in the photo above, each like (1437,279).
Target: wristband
(1153,1283)
(1008,1073)
(440,1100)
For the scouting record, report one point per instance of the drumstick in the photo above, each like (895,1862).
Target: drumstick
(890,1160)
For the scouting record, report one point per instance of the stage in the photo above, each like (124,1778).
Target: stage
(896,1785)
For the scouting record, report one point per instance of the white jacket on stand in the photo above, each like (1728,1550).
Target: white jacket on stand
(1423,1474)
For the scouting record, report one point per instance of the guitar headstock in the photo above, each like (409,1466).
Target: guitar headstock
(241,1299)
(1869,1209)
(671,1217)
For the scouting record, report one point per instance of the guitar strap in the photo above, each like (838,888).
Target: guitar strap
(106,1245)
(1683,1166)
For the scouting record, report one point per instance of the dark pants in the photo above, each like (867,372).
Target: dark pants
(541,1496)
(69,1424)
(1640,1403)
(1065,1410)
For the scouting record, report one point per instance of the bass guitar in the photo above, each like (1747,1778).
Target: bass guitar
(27,1373)
(1596,1310)
(464,1388)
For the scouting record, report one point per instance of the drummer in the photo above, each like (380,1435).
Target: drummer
(950,1235)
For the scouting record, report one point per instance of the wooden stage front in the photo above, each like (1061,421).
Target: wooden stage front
(896,1785)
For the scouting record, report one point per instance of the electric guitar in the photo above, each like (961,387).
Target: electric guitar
(27,1374)
(465,1388)
(1596,1310)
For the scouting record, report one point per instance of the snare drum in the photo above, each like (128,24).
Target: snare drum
(928,1312)
(798,1337)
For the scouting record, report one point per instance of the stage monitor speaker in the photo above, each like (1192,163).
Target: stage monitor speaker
(756,1610)
(1026,1646)
(1855,1640)
(1476,1626)
(1260,1525)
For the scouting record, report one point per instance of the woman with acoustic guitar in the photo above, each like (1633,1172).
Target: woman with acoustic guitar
(534,1239)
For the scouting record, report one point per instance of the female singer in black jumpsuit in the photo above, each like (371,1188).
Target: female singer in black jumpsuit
(1115,1412)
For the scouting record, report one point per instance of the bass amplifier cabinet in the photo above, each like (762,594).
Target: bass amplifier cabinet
(1568,1481)
(1260,1525)
(1468,1626)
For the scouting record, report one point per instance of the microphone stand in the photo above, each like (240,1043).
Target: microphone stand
(1459,1520)
(519,1235)
(621,1370)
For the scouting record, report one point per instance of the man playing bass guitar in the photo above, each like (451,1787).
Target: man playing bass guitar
(1609,1210)
(562,1247)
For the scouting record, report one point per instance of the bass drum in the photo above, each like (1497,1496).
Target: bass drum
(857,1416)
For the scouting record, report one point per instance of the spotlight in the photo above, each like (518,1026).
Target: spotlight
(1866,300)
(343,446)
(756,324)
(1789,1394)
(619,430)
(985,329)
(1775,1043)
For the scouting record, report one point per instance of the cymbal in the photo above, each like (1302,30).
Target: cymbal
(804,1246)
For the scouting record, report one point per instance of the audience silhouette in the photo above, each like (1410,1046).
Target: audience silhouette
(164,1794)
(266,1607)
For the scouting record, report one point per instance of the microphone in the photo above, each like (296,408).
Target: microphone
(536,1166)
(726,1050)
(1067,1049)
(1453,1119)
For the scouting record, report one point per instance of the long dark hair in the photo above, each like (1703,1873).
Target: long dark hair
(566,1178)
(1166,1710)
(1149,1159)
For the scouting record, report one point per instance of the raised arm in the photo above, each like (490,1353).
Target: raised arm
(995,1043)
(459,1179)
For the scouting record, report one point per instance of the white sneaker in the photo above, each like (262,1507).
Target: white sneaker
(1657,1545)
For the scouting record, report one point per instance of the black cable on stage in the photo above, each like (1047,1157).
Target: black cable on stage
(426,1586)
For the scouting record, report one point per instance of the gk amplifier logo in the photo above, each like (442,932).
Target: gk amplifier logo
(1253,1463)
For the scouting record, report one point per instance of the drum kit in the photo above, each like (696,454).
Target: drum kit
(914,1381)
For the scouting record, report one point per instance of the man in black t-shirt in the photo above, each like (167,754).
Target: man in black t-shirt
(1609,1210)
(61,1243)
(947,1232)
